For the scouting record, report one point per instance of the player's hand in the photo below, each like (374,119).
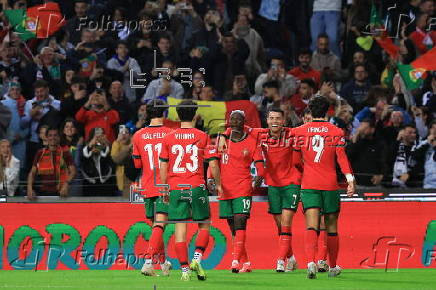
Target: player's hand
(219,190)
(404,177)
(258,181)
(351,189)
(222,145)
(376,179)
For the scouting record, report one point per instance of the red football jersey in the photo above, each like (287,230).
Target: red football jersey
(185,151)
(147,145)
(278,156)
(320,144)
(235,166)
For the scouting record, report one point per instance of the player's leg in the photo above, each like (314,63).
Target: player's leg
(290,197)
(179,209)
(241,208)
(322,246)
(155,238)
(182,250)
(201,214)
(331,214)
(275,205)
(312,203)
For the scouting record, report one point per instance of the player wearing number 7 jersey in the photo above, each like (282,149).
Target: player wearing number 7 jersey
(183,152)
(147,144)
(321,145)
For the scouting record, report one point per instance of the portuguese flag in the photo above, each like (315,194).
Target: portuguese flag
(39,21)
(426,61)
(413,78)
(216,113)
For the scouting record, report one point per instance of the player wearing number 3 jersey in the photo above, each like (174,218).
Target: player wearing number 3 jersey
(235,202)
(147,145)
(183,152)
(321,145)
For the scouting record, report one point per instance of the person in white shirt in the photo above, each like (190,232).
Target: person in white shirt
(9,169)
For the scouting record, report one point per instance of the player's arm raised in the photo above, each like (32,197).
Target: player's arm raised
(345,166)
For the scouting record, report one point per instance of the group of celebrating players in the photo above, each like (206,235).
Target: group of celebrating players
(296,164)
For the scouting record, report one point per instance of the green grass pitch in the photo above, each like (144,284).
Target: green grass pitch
(219,279)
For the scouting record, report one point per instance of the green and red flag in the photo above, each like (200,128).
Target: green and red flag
(426,61)
(39,21)
(413,77)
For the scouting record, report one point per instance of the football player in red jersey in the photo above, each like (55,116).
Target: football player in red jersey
(235,201)
(147,144)
(183,152)
(320,145)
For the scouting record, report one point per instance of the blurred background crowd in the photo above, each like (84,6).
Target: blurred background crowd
(69,104)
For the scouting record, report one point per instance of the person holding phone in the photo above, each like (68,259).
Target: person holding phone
(97,166)
(120,152)
(96,113)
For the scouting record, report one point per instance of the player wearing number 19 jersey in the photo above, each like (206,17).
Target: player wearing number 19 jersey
(183,153)
(321,145)
(147,144)
(235,202)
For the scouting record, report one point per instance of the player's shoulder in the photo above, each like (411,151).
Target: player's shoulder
(335,129)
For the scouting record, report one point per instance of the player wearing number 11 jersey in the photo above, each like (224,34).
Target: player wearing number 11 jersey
(183,152)
(147,145)
(321,145)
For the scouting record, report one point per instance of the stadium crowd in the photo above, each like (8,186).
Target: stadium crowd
(68,108)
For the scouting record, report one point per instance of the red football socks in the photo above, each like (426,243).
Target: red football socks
(322,245)
(284,242)
(182,253)
(310,244)
(155,244)
(333,248)
(202,241)
(239,244)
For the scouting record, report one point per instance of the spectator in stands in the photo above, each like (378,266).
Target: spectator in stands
(400,160)
(10,67)
(15,102)
(198,82)
(270,98)
(301,99)
(429,97)
(5,119)
(326,19)
(366,155)
(72,141)
(165,85)
(52,170)
(48,66)
(324,60)
(423,38)
(240,90)
(269,12)
(139,121)
(427,148)
(43,109)
(9,169)
(120,153)
(255,63)
(288,83)
(80,21)
(72,104)
(128,66)
(207,93)
(359,57)
(355,90)
(97,113)
(165,52)
(97,165)
(118,101)
(184,22)
(228,60)
(304,70)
